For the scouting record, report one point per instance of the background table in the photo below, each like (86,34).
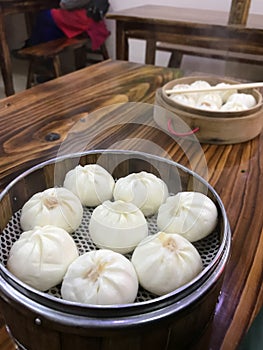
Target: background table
(185,26)
(30,118)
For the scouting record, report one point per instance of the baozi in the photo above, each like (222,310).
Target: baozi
(165,262)
(91,183)
(239,102)
(225,94)
(182,98)
(40,257)
(211,101)
(100,277)
(118,226)
(246,99)
(199,84)
(233,107)
(186,100)
(222,100)
(190,214)
(54,206)
(145,190)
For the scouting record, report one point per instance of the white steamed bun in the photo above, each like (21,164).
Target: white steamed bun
(225,94)
(91,183)
(145,190)
(118,226)
(210,101)
(100,277)
(190,214)
(247,99)
(40,257)
(165,262)
(54,206)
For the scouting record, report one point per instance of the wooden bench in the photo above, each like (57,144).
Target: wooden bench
(238,16)
(11,7)
(178,51)
(51,51)
(29,8)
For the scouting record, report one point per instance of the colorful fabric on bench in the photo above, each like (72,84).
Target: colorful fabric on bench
(76,22)
(44,30)
(56,23)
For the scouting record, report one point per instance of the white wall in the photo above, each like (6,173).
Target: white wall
(203,4)
(193,63)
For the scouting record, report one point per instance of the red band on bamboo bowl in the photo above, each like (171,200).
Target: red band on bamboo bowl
(170,129)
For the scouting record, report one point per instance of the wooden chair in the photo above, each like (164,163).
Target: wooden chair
(5,61)
(10,7)
(237,16)
(51,51)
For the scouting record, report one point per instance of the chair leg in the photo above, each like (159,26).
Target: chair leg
(57,66)
(104,52)
(80,57)
(30,74)
(5,60)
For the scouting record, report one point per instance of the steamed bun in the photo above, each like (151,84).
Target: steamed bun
(54,206)
(91,183)
(118,226)
(143,189)
(164,262)
(190,214)
(100,277)
(40,257)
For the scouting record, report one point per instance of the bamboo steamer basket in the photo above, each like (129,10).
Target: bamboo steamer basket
(213,127)
(38,320)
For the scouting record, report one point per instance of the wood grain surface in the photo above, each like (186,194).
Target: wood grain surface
(28,119)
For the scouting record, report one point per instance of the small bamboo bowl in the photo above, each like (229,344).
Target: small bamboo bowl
(213,127)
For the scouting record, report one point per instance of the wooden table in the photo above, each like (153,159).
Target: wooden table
(29,118)
(9,7)
(182,26)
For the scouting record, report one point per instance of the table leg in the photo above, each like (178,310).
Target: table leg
(150,51)
(175,59)
(122,47)
(6,67)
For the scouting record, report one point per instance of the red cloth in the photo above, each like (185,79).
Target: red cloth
(76,22)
